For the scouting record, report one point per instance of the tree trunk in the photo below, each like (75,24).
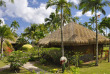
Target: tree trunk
(2,46)
(96,38)
(62,46)
(109,50)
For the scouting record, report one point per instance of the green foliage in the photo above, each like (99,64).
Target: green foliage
(17,59)
(27,47)
(51,55)
(75,70)
(76,58)
(43,61)
(35,32)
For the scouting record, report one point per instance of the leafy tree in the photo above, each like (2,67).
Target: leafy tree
(21,40)
(35,32)
(5,33)
(94,6)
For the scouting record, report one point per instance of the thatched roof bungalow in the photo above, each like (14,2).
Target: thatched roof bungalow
(75,37)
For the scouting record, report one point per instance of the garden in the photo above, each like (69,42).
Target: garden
(61,44)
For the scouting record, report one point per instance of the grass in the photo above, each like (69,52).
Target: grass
(103,68)
(22,71)
(48,68)
(2,64)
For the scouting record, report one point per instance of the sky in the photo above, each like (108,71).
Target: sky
(26,12)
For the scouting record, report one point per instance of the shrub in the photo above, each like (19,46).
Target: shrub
(26,47)
(17,59)
(51,55)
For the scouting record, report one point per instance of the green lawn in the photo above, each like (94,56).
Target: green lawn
(2,64)
(103,68)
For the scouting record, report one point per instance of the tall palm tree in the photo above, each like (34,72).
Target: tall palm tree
(94,6)
(106,23)
(5,33)
(92,21)
(64,6)
(52,22)
(15,25)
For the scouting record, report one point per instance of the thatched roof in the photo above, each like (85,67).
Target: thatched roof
(73,34)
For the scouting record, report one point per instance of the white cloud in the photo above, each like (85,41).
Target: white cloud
(21,9)
(78,14)
(108,15)
(89,14)
(3,22)
(75,1)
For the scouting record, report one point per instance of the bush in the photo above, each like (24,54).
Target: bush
(27,47)
(51,55)
(17,59)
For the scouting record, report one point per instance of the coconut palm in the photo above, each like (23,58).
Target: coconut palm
(92,21)
(94,6)
(52,22)
(5,33)
(15,25)
(106,23)
(64,6)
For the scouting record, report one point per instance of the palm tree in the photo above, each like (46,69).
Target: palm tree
(15,25)
(52,22)
(5,33)
(92,21)
(64,6)
(106,23)
(94,6)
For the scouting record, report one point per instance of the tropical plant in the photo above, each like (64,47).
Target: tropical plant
(35,32)
(106,23)
(17,59)
(5,33)
(52,22)
(64,6)
(92,21)
(21,40)
(94,6)
(15,25)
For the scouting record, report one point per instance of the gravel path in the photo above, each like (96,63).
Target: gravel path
(5,67)
(29,66)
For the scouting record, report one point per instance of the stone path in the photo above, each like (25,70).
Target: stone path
(5,67)
(29,66)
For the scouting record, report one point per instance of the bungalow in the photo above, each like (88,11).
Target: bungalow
(76,38)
